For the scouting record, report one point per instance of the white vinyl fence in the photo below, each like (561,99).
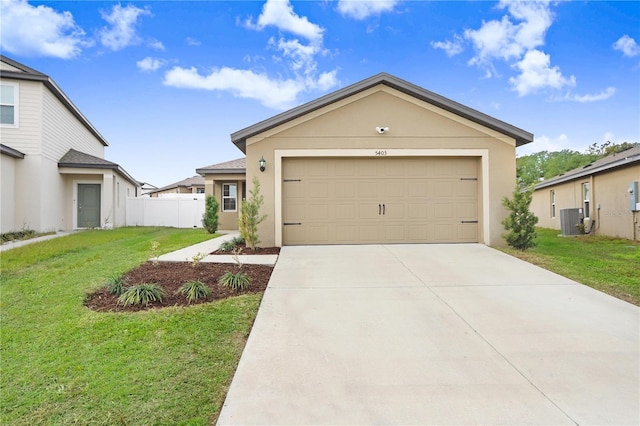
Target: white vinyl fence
(179,212)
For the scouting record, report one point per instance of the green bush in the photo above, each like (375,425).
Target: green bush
(521,223)
(250,216)
(115,285)
(23,234)
(141,294)
(237,281)
(210,217)
(227,246)
(194,290)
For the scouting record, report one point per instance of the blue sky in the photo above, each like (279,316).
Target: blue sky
(167,82)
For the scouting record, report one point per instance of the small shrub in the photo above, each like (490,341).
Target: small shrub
(237,281)
(115,285)
(141,294)
(155,246)
(194,290)
(237,240)
(521,223)
(227,246)
(210,216)
(250,216)
(24,234)
(195,260)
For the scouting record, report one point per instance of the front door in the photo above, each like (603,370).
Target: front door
(88,205)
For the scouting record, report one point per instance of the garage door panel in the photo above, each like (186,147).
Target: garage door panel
(340,201)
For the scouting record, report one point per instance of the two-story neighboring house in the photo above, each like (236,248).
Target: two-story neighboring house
(54,175)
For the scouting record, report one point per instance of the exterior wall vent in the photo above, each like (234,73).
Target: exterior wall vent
(569,218)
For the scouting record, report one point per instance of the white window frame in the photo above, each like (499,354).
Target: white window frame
(586,199)
(16,106)
(235,198)
(552,195)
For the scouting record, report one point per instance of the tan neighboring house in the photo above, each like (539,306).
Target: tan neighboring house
(380,161)
(226,182)
(54,175)
(606,191)
(192,185)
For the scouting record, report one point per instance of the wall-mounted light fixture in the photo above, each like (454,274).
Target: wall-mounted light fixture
(262,163)
(382,130)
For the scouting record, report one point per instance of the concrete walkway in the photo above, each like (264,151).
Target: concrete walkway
(209,246)
(15,244)
(433,334)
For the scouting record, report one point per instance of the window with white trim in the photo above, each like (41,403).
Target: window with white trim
(9,105)
(552,197)
(229,197)
(199,190)
(586,194)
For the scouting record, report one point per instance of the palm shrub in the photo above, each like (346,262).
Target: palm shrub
(194,290)
(210,216)
(237,281)
(141,294)
(115,285)
(521,222)
(250,216)
(229,245)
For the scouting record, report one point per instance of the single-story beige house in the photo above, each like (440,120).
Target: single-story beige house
(191,185)
(380,161)
(54,175)
(606,191)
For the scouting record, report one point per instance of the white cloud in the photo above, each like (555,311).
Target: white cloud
(603,95)
(279,94)
(272,93)
(507,40)
(545,143)
(121,32)
(193,42)
(536,73)
(362,9)
(451,48)
(39,31)
(627,46)
(150,64)
(155,44)
(280,14)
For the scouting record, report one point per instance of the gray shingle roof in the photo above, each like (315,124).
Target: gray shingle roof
(522,137)
(81,160)
(187,183)
(630,156)
(7,150)
(238,166)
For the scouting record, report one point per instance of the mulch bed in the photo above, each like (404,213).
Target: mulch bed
(243,249)
(171,275)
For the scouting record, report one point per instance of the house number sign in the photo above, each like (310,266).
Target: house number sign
(380,153)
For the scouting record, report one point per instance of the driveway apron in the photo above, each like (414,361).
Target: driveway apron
(433,334)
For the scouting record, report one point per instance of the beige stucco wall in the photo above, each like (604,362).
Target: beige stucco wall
(414,125)
(227,221)
(608,191)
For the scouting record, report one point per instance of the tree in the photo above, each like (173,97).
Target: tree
(210,216)
(521,223)
(250,216)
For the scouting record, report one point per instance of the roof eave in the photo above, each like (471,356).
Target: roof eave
(587,172)
(30,74)
(521,136)
(114,166)
(205,171)
(11,152)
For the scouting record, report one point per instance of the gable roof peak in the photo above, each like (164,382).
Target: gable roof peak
(521,137)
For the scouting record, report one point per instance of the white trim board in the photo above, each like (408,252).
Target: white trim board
(279,154)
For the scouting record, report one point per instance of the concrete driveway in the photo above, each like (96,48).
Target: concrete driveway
(433,334)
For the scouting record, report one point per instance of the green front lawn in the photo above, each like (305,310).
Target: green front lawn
(611,265)
(65,364)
